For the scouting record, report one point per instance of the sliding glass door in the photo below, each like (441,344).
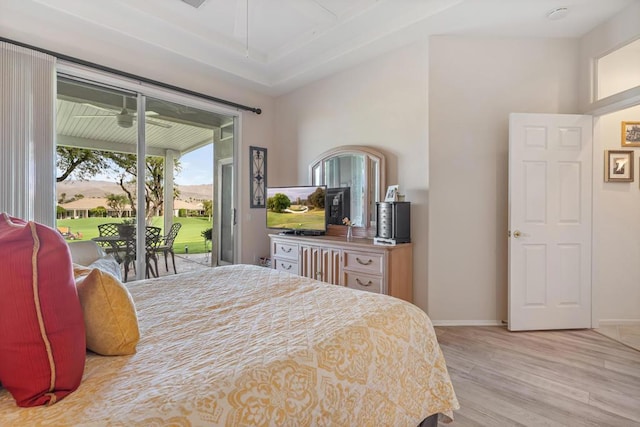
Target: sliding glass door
(148,160)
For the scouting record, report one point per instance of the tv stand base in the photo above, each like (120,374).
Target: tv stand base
(301,233)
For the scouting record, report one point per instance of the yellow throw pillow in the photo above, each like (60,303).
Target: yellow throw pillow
(110,316)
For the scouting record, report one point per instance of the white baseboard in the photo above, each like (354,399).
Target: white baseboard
(619,322)
(468,323)
(602,322)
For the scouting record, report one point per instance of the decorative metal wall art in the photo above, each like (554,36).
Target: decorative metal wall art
(258,176)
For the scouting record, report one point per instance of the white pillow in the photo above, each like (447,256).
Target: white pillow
(106,263)
(84,252)
(109,264)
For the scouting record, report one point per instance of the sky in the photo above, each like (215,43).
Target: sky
(197,167)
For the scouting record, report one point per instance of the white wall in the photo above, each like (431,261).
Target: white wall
(382,104)
(616,229)
(619,70)
(616,245)
(607,37)
(474,84)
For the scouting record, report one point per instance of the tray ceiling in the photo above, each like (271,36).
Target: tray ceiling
(277,45)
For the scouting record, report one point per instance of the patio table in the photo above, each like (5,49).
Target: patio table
(118,244)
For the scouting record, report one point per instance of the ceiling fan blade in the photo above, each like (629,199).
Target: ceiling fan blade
(111,110)
(157,123)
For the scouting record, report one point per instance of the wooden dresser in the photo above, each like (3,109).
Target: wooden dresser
(357,264)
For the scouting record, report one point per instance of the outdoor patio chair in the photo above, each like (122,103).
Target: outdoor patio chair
(116,248)
(152,240)
(166,246)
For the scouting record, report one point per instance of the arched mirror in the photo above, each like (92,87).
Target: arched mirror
(362,170)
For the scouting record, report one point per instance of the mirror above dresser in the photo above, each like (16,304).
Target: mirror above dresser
(362,170)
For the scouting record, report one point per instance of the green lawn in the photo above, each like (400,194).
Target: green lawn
(189,234)
(311,220)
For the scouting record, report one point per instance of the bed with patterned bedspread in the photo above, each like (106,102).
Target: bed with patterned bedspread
(250,346)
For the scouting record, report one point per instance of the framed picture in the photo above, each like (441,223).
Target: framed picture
(258,176)
(630,134)
(392,193)
(618,166)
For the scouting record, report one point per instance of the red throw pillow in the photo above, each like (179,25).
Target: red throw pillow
(42,338)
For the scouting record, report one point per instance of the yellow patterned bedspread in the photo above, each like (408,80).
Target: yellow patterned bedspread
(250,346)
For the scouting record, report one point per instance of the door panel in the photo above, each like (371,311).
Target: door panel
(226,221)
(549,221)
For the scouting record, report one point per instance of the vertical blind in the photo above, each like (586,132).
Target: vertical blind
(27,138)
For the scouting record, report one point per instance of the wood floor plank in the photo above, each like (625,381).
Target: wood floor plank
(507,406)
(552,404)
(623,368)
(569,378)
(549,385)
(584,376)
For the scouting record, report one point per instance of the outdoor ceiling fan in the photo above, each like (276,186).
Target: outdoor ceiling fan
(124,118)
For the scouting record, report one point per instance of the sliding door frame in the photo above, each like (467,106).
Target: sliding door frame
(144,90)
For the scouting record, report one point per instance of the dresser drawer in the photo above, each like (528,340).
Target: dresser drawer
(357,264)
(366,262)
(286,265)
(285,250)
(363,282)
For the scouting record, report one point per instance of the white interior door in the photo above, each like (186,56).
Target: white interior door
(550,175)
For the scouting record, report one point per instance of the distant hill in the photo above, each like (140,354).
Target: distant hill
(102,188)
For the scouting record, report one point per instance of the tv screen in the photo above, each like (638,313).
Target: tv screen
(298,209)
(338,204)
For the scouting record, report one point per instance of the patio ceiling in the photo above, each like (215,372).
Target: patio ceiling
(87,117)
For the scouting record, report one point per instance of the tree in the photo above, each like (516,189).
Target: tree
(85,164)
(278,203)
(154,181)
(99,211)
(80,162)
(207,205)
(316,199)
(117,202)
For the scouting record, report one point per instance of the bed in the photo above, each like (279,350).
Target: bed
(248,346)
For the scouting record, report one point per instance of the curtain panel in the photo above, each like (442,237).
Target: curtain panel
(27,134)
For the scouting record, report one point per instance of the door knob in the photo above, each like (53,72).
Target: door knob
(517,234)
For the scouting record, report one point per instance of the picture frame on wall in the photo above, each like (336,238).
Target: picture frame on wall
(630,134)
(257,176)
(618,166)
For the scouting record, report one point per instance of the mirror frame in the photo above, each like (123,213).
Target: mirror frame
(371,157)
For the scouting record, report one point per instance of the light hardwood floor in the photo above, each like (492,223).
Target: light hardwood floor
(543,378)
(626,334)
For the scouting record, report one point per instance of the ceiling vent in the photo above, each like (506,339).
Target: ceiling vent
(194,3)
(558,13)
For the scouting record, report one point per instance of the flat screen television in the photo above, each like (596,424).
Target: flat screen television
(338,204)
(297,209)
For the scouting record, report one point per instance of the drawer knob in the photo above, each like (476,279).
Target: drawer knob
(285,249)
(364,262)
(369,283)
(286,267)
